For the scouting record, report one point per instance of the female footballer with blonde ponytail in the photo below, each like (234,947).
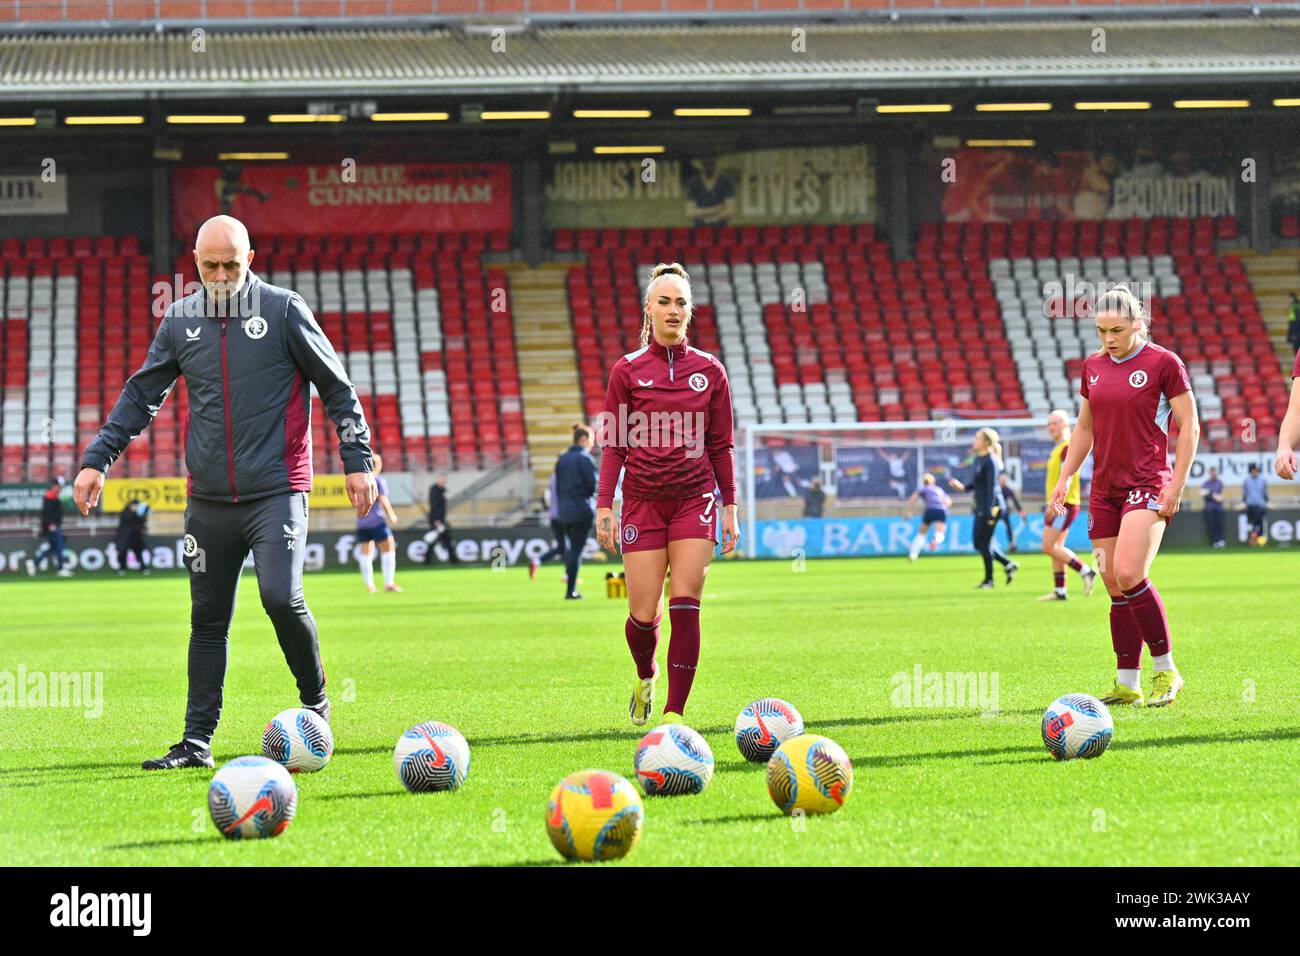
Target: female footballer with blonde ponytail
(669,477)
(1130,387)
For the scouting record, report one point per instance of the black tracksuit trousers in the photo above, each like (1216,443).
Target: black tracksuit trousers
(218,537)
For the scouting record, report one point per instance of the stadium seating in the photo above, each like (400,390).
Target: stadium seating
(814,323)
(66,339)
(1202,307)
(412,317)
(431,353)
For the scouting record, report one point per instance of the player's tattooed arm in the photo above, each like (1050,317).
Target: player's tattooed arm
(607,529)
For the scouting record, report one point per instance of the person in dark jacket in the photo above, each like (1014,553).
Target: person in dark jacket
(575,487)
(814,499)
(130,536)
(989,503)
(52,530)
(249,352)
(439,530)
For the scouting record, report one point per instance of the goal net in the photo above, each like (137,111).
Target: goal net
(867,472)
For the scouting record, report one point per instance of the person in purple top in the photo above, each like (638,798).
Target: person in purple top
(937,504)
(374,529)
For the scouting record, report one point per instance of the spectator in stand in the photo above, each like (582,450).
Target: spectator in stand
(439,530)
(1212,493)
(814,499)
(1254,495)
(52,529)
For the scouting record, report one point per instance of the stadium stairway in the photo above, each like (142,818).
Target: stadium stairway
(1273,277)
(548,369)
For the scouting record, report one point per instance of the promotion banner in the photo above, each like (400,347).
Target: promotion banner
(496,547)
(21,499)
(1033,469)
(1284,185)
(329,491)
(784,472)
(876,537)
(833,184)
(1233,468)
(30,194)
(874,471)
(337,199)
(1125,181)
(169,494)
(160,494)
(1190,530)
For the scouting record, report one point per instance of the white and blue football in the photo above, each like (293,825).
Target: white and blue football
(431,756)
(673,759)
(252,798)
(1077,726)
(299,739)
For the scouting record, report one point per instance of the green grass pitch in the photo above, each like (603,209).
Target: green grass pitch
(539,687)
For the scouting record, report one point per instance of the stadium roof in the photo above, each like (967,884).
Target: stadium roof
(641,59)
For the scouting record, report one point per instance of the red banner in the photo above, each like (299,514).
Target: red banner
(280,199)
(1005,185)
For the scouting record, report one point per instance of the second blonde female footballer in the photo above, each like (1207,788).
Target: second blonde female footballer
(1130,388)
(1057,526)
(667,426)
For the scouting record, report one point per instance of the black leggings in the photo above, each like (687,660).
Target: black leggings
(1257,515)
(558,549)
(985,525)
(576,533)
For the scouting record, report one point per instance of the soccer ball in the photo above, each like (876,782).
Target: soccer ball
(673,759)
(300,739)
(764,725)
(431,756)
(809,774)
(594,815)
(1077,725)
(252,798)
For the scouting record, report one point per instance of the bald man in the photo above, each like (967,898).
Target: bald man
(248,351)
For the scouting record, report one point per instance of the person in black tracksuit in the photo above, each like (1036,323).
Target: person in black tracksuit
(439,530)
(988,504)
(52,530)
(575,487)
(249,352)
(130,536)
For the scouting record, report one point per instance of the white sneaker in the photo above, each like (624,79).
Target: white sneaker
(1089,581)
(64,573)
